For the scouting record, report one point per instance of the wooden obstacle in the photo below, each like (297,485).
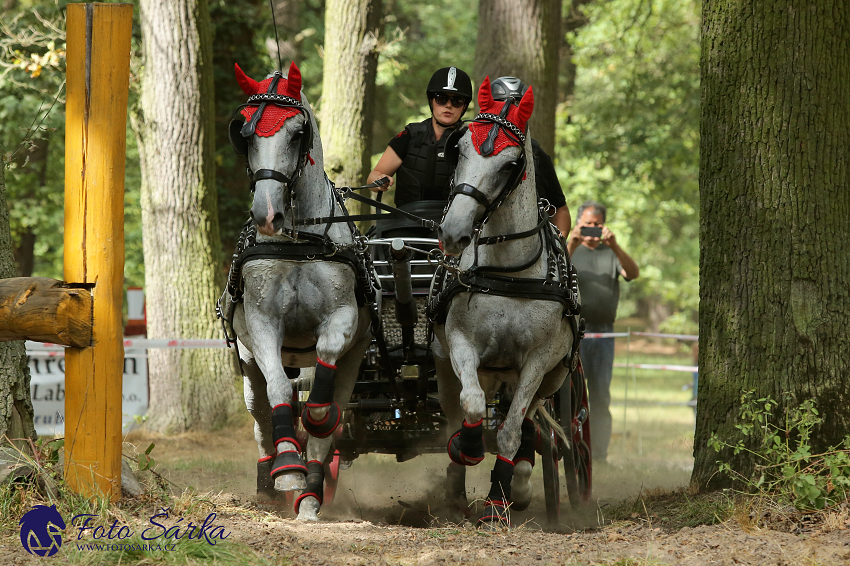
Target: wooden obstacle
(45,310)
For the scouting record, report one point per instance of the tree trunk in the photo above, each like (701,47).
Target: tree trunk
(16,414)
(522,39)
(574,19)
(348,90)
(775,217)
(175,129)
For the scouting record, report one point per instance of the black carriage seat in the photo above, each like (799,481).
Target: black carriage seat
(406,228)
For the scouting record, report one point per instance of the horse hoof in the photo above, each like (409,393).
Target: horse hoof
(496,516)
(308,509)
(521,486)
(290,481)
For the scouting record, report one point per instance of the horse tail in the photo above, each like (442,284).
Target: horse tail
(544,416)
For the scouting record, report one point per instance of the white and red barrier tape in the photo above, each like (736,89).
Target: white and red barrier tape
(133,344)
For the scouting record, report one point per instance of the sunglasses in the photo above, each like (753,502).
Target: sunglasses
(457,101)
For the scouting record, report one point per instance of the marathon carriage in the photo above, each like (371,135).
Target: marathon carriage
(307,290)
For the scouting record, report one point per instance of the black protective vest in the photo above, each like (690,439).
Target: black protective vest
(424,174)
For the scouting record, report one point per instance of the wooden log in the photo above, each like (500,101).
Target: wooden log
(98,77)
(45,310)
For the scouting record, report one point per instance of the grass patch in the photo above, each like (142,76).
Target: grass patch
(672,510)
(183,553)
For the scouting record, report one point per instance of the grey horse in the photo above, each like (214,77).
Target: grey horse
(488,336)
(300,306)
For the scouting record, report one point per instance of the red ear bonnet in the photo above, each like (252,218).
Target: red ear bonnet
(249,85)
(517,115)
(273,116)
(485,96)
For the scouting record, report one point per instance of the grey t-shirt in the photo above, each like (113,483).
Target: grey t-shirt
(598,281)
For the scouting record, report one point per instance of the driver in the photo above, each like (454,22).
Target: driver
(416,156)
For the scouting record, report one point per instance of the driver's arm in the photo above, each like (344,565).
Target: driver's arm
(387,166)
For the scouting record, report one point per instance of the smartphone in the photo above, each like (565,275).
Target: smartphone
(591,231)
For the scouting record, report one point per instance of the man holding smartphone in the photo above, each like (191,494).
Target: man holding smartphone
(600,262)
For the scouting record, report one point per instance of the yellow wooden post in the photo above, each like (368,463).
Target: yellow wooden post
(98,70)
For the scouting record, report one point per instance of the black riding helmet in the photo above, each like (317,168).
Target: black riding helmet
(504,88)
(450,81)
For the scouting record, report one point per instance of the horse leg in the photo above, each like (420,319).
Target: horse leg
(308,503)
(448,392)
(257,403)
(509,439)
(524,464)
(321,413)
(466,446)
(288,469)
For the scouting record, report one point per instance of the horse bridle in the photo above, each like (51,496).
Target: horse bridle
(500,123)
(240,131)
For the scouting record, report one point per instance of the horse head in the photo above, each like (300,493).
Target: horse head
(274,131)
(491,159)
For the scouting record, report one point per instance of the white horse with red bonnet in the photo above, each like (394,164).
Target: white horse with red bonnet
(509,313)
(301,294)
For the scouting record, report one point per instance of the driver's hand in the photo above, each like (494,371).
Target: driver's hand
(388,183)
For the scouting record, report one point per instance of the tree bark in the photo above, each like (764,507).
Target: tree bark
(348,91)
(16,414)
(175,129)
(523,39)
(574,19)
(775,217)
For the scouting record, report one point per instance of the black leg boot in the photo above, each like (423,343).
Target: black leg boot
(283,430)
(315,483)
(496,505)
(466,446)
(321,395)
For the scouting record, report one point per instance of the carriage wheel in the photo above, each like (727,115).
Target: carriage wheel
(331,479)
(578,465)
(551,481)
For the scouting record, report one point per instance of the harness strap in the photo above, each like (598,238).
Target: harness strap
(468,190)
(518,236)
(349,193)
(479,269)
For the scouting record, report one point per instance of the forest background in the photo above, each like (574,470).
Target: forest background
(627,122)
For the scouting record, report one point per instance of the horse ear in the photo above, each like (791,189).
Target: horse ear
(293,82)
(526,106)
(249,85)
(485,95)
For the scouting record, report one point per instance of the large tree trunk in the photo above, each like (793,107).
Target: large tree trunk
(348,90)
(774,304)
(574,19)
(175,128)
(16,414)
(522,39)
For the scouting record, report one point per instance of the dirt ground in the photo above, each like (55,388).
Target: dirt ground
(389,513)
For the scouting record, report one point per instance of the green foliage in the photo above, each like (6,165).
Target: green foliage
(419,38)
(630,139)
(146,462)
(32,118)
(785,467)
